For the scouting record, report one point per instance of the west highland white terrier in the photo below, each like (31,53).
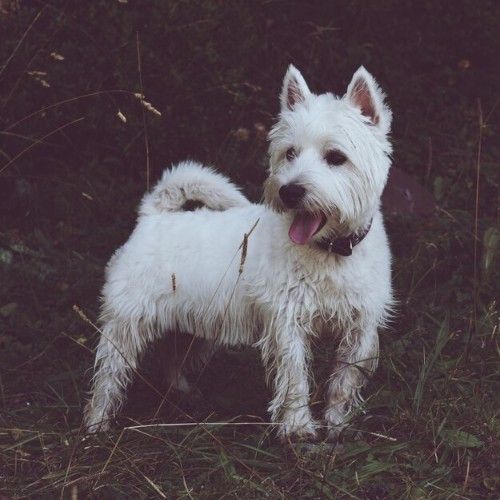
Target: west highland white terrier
(312,261)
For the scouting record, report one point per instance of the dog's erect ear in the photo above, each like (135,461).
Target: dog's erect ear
(294,89)
(364,93)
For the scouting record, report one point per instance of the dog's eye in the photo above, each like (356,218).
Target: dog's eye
(290,154)
(335,158)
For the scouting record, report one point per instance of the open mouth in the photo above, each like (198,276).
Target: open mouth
(304,226)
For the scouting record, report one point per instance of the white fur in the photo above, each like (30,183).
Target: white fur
(190,180)
(234,276)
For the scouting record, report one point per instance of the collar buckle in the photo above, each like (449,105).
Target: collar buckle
(344,246)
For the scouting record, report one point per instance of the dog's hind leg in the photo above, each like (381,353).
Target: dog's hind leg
(356,360)
(181,353)
(120,347)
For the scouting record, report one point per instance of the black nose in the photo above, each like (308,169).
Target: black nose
(291,194)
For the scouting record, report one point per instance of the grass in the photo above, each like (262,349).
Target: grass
(72,173)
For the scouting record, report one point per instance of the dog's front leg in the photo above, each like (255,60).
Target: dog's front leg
(356,359)
(286,354)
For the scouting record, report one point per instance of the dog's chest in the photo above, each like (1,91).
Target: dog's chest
(315,297)
(334,292)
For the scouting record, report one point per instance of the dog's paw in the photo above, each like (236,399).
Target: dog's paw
(95,419)
(298,425)
(95,426)
(336,421)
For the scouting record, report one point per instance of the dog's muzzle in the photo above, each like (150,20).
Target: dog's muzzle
(291,194)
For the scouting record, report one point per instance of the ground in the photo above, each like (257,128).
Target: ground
(79,146)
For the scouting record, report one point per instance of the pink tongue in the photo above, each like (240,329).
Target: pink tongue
(303,227)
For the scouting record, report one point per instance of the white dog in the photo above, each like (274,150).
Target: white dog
(312,261)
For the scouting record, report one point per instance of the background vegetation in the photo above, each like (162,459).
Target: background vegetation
(72,171)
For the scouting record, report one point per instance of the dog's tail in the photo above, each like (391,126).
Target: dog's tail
(188,186)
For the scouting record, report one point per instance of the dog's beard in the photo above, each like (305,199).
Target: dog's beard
(309,224)
(314,218)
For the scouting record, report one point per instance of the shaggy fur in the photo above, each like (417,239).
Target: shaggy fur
(235,273)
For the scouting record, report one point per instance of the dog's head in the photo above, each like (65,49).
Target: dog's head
(329,156)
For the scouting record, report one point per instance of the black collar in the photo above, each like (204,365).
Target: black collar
(343,246)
